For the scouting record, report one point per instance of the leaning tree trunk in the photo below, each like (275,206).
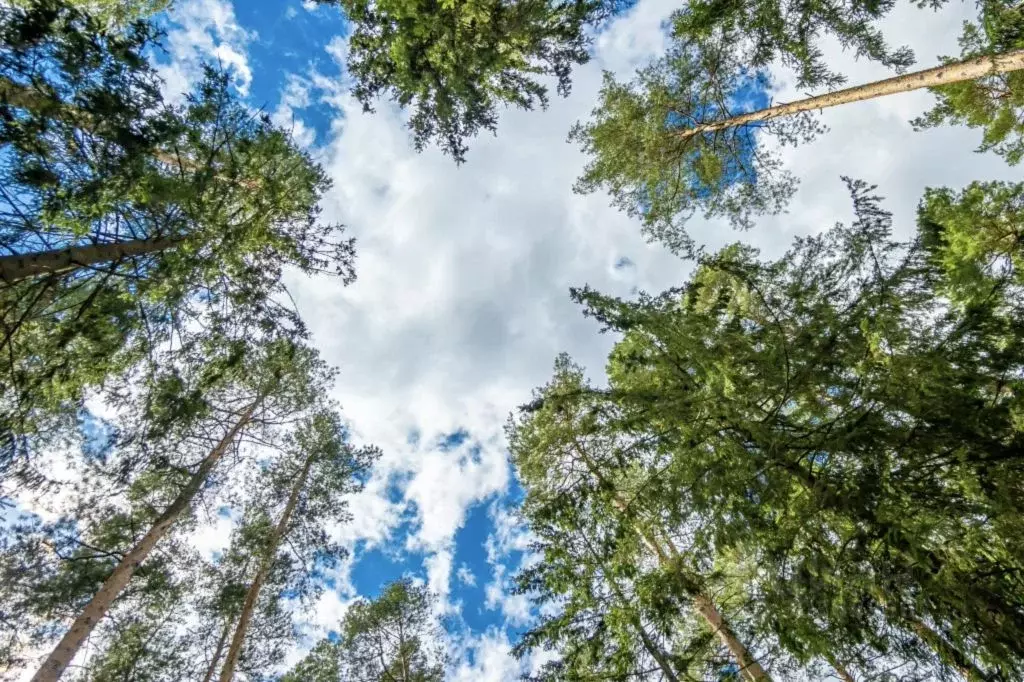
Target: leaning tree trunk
(750,669)
(90,616)
(227,673)
(19,266)
(929,78)
(221,643)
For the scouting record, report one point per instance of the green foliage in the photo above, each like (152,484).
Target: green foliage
(994,103)
(112,13)
(322,664)
(91,156)
(455,63)
(392,637)
(789,31)
(833,438)
(976,237)
(642,157)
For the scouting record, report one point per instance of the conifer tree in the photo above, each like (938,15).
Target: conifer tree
(318,470)
(687,135)
(455,64)
(995,102)
(564,456)
(199,418)
(846,420)
(122,219)
(393,638)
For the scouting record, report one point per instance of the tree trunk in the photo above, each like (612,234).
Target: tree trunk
(929,78)
(68,647)
(750,669)
(218,651)
(227,673)
(19,266)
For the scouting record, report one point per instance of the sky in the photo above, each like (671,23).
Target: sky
(461,302)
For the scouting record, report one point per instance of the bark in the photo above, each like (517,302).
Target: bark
(227,673)
(96,609)
(750,669)
(218,651)
(929,78)
(20,266)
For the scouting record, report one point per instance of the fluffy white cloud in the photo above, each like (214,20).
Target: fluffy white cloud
(205,31)
(465,575)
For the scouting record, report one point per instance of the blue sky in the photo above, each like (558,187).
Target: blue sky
(462,304)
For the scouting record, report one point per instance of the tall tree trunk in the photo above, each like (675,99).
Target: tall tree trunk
(68,647)
(750,669)
(19,266)
(929,78)
(227,673)
(221,642)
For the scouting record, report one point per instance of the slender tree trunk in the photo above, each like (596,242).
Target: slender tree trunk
(19,266)
(929,78)
(227,673)
(65,651)
(750,669)
(212,669)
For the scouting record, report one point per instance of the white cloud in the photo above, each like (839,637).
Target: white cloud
(485,658)
(465,576)
(439,575)
(204,31)
(294,95)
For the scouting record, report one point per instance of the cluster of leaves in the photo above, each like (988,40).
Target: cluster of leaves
(172,216)
(994,103)
(393,637)
(455,63)
(826,446)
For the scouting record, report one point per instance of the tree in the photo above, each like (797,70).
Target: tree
(670,144)
(995,102)
(836,418)
(322,468)
(568,454)
(393,638)
(112,13)
(123,219)
(251,386)
(454,64)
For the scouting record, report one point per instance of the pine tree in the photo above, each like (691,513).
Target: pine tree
(201,419)
(566,453)
(844,418)
(687,135)
(454,64)
(320,468)
(994,103)
(393,638)
(124,219)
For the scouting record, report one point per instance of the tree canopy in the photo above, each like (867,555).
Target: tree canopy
(832,418)
(455,63)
